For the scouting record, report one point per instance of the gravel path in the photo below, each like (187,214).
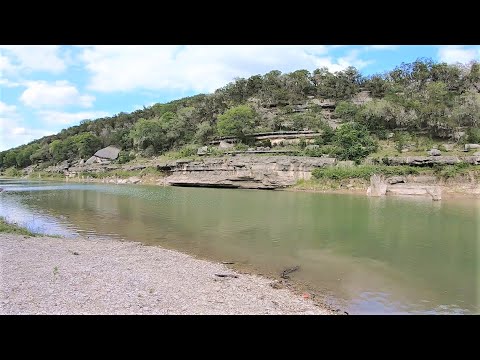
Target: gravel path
(44,275)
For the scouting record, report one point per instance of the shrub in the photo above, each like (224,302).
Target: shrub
(124,157)
(354,141)
(363,172)
(188,150)
(12,172)
(473,136)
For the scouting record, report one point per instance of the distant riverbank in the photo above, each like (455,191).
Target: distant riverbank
(46,275)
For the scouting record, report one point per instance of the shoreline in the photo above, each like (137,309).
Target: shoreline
(458,190)
(47,275)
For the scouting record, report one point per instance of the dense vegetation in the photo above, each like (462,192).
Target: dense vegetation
(435,99)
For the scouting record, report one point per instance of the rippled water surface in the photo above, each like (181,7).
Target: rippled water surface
(367,255)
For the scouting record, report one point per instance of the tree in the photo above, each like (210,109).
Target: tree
(147,133)
(87,144)
(237,121)
(354,141)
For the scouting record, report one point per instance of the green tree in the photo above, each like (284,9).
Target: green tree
(354,141)
(237,121)
(87,144)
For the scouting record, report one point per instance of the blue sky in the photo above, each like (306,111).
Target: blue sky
(44,89)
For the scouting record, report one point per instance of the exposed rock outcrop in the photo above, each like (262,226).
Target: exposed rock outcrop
(377,187)
(110,152)
(415,189)
(250,172)
(432,160)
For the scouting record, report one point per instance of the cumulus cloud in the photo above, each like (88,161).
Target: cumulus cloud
(13,132)
(6,109)
(198,68)
(52,117)
(41,94)
(14,58)
(457,54)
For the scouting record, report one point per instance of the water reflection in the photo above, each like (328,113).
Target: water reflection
(378,255)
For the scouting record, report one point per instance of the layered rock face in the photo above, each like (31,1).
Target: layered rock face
(248,172)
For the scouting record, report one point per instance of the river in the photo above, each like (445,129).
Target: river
(390,255)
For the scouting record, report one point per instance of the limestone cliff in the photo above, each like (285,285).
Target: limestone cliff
(248,172)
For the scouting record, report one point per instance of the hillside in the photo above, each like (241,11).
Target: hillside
(413,107)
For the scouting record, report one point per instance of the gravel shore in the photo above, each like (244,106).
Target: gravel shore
(44,275)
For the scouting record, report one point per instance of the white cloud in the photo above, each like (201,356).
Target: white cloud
(6,110)
(13,133)
(52,117)
(8,83)
(40,94)
(12,130)
(457,54)
(31,58)
(195,67)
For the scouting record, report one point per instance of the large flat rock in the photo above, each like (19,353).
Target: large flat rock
(250,172)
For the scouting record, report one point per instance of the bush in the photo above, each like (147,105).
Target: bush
(240,147)
(149,151)
(124,157)
(12,172)
(354,141)
(363,172)
(442,148)
(188,150)
(473,136)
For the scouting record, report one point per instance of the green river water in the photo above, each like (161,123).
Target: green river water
(365,255)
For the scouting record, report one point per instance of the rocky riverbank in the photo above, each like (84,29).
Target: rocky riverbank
(45,275)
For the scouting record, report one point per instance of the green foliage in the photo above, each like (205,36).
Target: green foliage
(13,228)
(473,136)
(240,147)
(423,96)
(346,110)
(12,172)
(87,144)
(401,139)
(354,141)
(124,157)
(363,172)
(452,171)
(237,121)
(188,150)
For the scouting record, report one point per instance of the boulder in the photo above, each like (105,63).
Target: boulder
(134,180)
(448,147)
(91,160)
(81,162)
(435,192)
(377,187)
(471,146)
(110,153)
(202,150)
(434,152)
(225,145)
(396,180)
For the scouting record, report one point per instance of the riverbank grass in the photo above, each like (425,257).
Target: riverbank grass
(8,228)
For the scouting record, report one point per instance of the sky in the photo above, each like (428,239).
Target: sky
(46,88)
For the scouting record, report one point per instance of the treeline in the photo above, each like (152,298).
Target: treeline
(434,98)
